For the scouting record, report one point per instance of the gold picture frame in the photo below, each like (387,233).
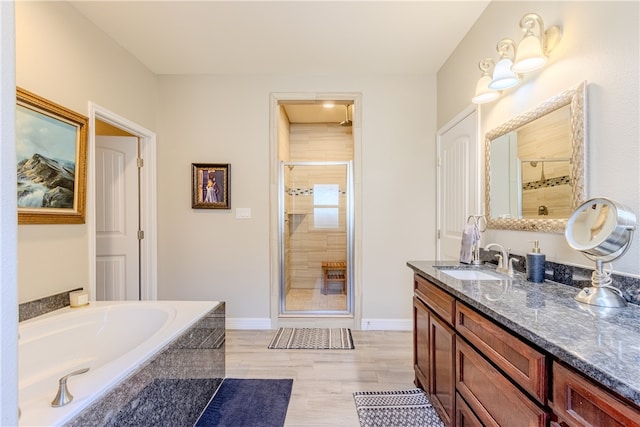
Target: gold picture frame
(210,186)
(51,161)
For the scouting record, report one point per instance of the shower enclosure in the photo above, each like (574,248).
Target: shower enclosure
(316,238)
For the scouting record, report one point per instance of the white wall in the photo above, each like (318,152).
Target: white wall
(600,44)
(226,119)
(64,58)
(8,219)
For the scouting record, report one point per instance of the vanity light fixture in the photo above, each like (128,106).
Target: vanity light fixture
(530,54)
(534,48)
(484,93)
(328,104)
(503,76)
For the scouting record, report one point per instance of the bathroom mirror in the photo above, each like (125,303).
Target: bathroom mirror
(534,165)
(602,230)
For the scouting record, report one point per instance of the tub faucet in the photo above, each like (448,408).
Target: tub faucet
(63,396)
(505,264)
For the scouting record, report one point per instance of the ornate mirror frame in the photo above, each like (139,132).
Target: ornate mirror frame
(575,97)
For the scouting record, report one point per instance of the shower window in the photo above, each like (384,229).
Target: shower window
(326,200)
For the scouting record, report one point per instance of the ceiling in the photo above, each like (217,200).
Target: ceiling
(286,37)
(315,112)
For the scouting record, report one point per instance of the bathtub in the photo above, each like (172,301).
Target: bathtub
(110,338)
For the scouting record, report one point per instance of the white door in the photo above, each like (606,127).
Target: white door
(117,219)
(459,182)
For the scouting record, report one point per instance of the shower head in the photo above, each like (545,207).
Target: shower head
(346,121)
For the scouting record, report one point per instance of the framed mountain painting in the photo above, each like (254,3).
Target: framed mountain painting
(51,148)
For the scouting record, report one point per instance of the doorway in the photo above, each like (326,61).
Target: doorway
(110,280)
(315,210)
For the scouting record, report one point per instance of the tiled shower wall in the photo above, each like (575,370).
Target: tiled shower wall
(305,245)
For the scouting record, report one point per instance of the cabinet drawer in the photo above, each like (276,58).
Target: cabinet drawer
(491,396)
(464,415)
(518,360)
(438,300)
(580,402)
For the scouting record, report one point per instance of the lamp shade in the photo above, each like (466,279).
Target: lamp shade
(483,93)
(529,55)
(503,77)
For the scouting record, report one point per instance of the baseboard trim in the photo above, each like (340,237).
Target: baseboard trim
(248,323)
(365,324)
(386,325)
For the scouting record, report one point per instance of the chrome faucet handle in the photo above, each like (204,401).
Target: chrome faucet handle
(502,257)
(63,396)
(500,264)
(510,266)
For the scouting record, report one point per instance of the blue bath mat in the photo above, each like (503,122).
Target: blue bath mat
(248,403)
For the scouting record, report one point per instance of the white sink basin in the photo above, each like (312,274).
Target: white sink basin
(469,275)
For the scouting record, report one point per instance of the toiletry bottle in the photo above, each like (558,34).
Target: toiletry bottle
(535,264)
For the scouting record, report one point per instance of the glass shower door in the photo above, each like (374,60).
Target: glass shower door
(316,238)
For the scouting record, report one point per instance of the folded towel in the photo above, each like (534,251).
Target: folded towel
(470,237)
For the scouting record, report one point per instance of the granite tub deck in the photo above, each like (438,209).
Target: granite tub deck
(602,343)
(173,387)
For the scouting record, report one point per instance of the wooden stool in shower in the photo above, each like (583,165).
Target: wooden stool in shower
(334,272)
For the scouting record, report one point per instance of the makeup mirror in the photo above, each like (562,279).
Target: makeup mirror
(534,166)
(602,230)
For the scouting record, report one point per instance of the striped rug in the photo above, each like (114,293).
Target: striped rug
(407,408)
(313,338)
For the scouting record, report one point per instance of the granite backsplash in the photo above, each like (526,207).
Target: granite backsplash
(578,277)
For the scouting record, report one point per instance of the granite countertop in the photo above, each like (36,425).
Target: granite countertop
(603,343)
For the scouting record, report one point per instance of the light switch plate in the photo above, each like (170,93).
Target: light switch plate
(243,213)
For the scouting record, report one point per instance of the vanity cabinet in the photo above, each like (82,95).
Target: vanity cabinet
(500,378)
(456,351)
(434,346)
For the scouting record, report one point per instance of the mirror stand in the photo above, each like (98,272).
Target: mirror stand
(601,292)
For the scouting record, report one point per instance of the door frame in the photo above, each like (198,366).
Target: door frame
(479,166)
(324,320)
(148,197)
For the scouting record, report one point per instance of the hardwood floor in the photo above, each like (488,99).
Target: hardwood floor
(324,380)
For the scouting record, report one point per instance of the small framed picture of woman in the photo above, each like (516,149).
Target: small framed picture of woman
(210,186)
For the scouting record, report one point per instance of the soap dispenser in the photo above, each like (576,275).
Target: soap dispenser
(535,264)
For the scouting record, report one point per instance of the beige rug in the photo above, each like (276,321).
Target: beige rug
(313,338)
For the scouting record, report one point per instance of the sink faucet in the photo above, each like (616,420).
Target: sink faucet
(505,264)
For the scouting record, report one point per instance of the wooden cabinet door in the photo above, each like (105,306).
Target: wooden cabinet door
(442,344)
(579,402)
(421,344)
